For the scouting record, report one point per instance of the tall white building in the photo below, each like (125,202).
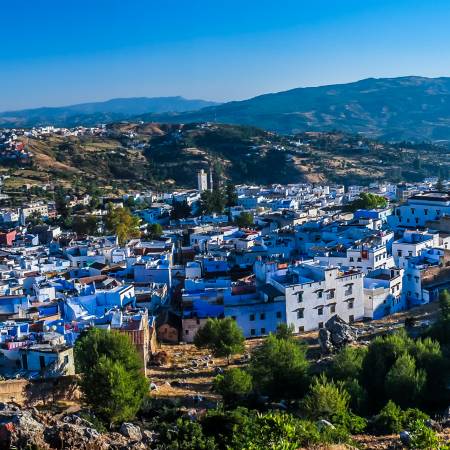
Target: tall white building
(202,180)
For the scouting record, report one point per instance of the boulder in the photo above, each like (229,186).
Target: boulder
(336,334)
(131,431)
(322,424)
(405,438)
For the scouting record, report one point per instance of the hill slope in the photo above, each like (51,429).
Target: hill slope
(143,155)
(406,108)
(98,112)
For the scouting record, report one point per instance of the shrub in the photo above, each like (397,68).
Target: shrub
(233,385)
(279,368)
(390,419)
(330,401)
(423,437)
(222,336)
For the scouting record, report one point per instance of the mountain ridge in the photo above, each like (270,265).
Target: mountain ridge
(90,113)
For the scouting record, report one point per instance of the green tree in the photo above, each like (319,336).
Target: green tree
(367,201)
(180,210)
(231,195)
(154,230)
(112,380)
(244,220)
(222,336)
(347,364)
(404,383)
(279,368)
(233,385)
(120,222)
(85,225)
(212,201)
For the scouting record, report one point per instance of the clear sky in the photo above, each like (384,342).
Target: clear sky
(57,52)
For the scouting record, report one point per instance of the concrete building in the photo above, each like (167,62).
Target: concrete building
(202,180)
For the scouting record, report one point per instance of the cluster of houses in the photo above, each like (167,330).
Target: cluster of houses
(302,261)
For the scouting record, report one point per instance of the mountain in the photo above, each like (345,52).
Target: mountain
(395,109)
(98,112)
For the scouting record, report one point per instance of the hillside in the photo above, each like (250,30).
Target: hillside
(393,109)
(98,112)
(169,155)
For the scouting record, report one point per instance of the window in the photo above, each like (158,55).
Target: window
(186,332)
(425,211)
(252,317)
(319,294)
(351,319)
(320,311)
(198,321)
(300,314)
(410,253)
(66,359)
(359,259)
(278,314)
(349,289)
(330,294)
(320,324)
(301,329)
(253,332)
(350,304)
(333,309)
(300,296)
(262,316)
(351,259)
(263,331)
(399,253)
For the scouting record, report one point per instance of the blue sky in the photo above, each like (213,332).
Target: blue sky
(57,52)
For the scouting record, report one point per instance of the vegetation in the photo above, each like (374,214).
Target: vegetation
(234,385)
(212,201)
(222,336)
(112,380)
(279,367)
(155,230)
(120,222)
(367,201)
(244,220)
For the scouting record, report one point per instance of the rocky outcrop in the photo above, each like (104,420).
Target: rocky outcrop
(336,334)
(23,428)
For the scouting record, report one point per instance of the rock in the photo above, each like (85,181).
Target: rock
(405,438)
(131,431)
(336,334)
(322,424)
(436,426)
(326,345)
(148,437)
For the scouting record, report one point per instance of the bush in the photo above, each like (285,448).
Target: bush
(423,437)
(233,385)
(330,401)
(390,419)
(222,336)
(279,368)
